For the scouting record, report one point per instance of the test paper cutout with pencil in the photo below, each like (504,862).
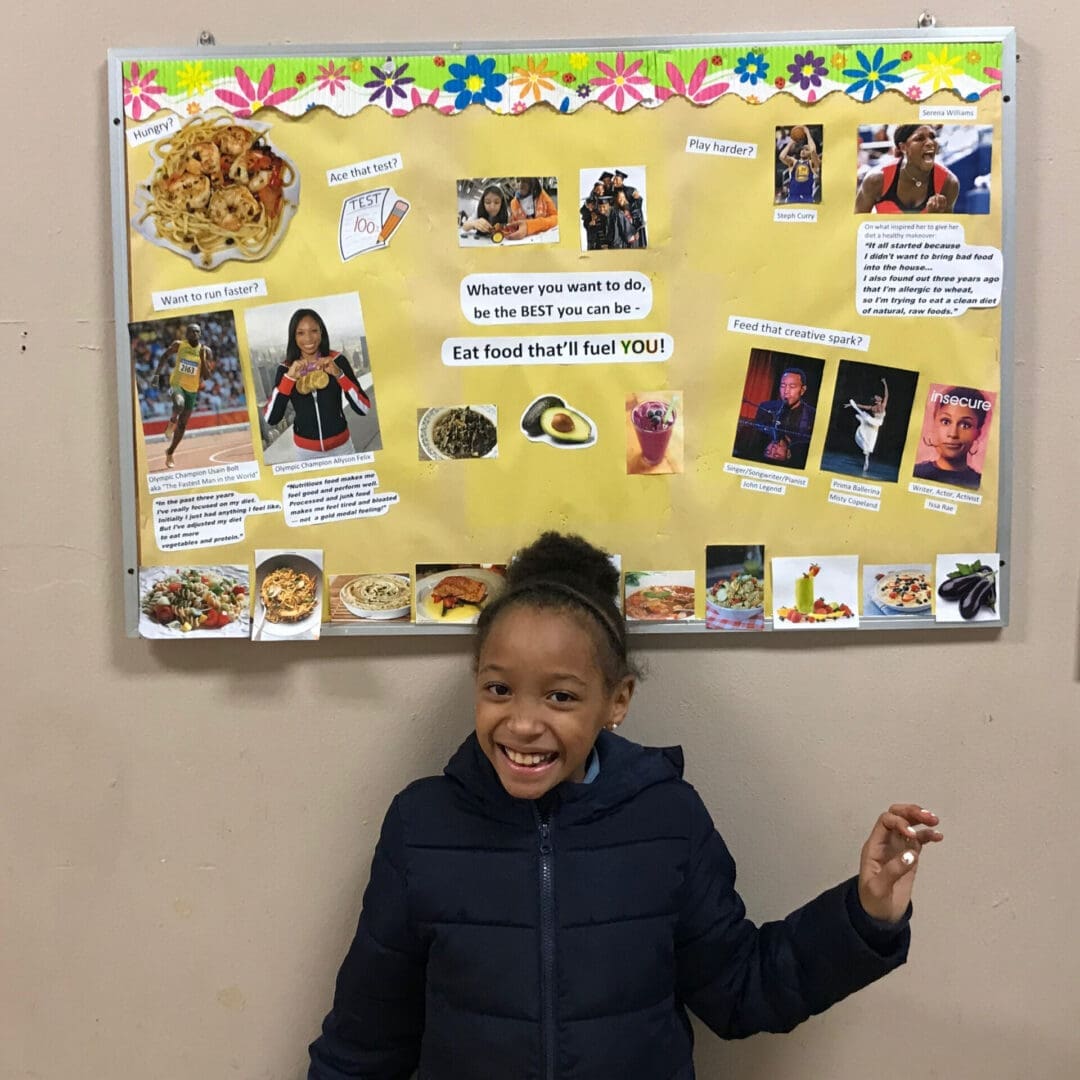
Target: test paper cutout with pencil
(369,220)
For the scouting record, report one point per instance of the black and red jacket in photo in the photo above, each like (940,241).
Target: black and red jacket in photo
(318,417)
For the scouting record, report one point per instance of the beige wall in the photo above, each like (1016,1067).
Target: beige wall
(186,830)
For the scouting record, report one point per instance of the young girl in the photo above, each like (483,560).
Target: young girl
(551,906)
(492,212)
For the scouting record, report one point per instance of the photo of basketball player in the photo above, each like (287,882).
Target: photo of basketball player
(798,164)
(924,169)
(190,386)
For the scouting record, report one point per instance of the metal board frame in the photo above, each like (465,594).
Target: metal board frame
(122,284)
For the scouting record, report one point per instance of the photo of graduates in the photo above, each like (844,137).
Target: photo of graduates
(869,420)
(798,164)
(508,210)
(779,407)
(613,208)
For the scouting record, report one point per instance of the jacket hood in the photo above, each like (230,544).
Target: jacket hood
(626,769)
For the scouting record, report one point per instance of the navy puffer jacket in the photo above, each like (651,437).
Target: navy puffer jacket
(564,939)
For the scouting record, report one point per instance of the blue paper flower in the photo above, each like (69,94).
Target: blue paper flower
(872,76)
(474,82)
(752,68)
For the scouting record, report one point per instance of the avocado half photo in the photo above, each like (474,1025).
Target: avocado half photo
(551,420)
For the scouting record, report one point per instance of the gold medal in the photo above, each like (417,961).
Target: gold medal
(320,380)
(303,384)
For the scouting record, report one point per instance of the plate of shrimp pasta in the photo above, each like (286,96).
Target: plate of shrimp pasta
(194,602)
(219,190)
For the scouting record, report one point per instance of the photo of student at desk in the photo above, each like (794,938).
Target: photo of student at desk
(508,210)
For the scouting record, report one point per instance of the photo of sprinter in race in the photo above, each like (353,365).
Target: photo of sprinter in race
(194,362)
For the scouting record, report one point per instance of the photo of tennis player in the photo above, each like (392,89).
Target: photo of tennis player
(613,208)
(313,382)
(191,394)
(924,169)
(868,422)
(955,435)
(797,172)
(779,407)
(496,210)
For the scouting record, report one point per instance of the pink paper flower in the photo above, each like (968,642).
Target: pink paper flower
(138,92)
(992,73)
(622,81)
(332,78)
(255,97)
(693,89)
(416,100)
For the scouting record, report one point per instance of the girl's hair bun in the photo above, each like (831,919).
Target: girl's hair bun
(570,560)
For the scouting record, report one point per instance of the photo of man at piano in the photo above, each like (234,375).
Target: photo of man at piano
(779,407)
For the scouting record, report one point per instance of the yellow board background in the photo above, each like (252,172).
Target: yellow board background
(714,251)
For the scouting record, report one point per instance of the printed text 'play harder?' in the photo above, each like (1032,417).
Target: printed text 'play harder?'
(507,299)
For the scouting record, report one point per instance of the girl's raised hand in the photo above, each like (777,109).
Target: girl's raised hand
(890,858)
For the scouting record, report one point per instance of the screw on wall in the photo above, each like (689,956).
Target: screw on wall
(927,20)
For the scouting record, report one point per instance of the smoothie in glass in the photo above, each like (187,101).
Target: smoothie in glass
(653,423)
(804,590)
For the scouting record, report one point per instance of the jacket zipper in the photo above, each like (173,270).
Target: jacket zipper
(547,944)
(318,418)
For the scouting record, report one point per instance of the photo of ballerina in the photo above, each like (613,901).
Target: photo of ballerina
(924,169)
(868,421)
(779,408)
(312,375)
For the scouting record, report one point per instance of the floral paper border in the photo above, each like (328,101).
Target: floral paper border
(510,83)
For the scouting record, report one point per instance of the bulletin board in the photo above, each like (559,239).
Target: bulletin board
(735,310)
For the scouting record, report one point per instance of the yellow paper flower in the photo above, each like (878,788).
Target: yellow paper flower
(939,69)
(193,78)
(193,107)
(357,65)
(973,57)
(579,61)
(839,60)
(534,78)
(752,99)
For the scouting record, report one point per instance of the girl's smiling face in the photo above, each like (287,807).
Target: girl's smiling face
(541,698)
(308,336)
(956,428)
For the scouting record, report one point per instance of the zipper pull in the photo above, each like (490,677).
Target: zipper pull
(545,838)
